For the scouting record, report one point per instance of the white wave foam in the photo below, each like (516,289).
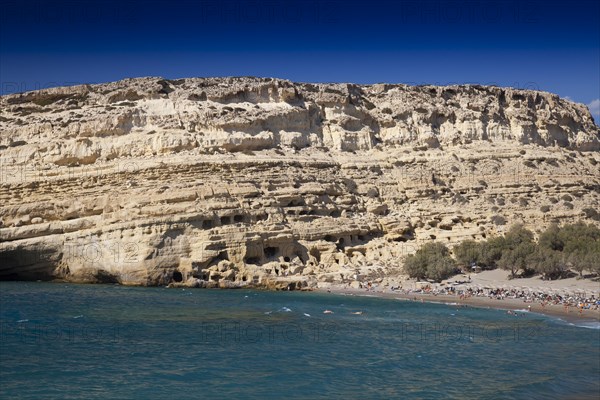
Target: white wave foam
(588,325)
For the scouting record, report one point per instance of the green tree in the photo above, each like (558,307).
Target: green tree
(468,252)
(595,265)
(441,269)
(517,235)
(431,261)
(552,238)
(574,246)
(547,262)
(587,257)
(491,251)
(415,265)
(517,246)
(578,261)
(578,236)
(515,259)
(580,245)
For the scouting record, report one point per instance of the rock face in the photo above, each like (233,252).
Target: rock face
(245,181)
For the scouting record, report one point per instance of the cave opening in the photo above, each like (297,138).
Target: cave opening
(252,260)
(177,277)
(261,217)
(271,251)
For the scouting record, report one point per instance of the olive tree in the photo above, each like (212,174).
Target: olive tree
(432,261)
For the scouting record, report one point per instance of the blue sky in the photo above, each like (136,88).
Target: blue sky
(552,46)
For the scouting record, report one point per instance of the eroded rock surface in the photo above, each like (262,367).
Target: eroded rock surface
(246,181)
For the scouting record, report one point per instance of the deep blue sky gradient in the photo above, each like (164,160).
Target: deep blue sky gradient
(546,45)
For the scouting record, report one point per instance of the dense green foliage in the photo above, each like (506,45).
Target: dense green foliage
(577,246)
(468,252)
(432,261)
(558,251)
(517,248)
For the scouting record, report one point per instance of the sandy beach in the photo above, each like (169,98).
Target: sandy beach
(486,281)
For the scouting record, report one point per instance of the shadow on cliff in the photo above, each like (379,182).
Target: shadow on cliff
(28,264)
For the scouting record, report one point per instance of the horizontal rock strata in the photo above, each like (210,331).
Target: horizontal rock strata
(234,182)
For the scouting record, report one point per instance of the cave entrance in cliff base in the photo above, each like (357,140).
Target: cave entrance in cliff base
(177,277)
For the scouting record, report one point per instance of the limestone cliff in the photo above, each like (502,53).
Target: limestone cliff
(248,181)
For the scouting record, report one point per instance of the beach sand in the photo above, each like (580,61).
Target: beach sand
(499,278)
(495,279)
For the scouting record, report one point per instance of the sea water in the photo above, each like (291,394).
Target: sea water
(69,341)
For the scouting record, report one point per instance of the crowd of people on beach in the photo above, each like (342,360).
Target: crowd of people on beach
(569,300)
(582,301)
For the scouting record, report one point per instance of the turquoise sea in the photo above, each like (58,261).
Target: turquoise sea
(67,341)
